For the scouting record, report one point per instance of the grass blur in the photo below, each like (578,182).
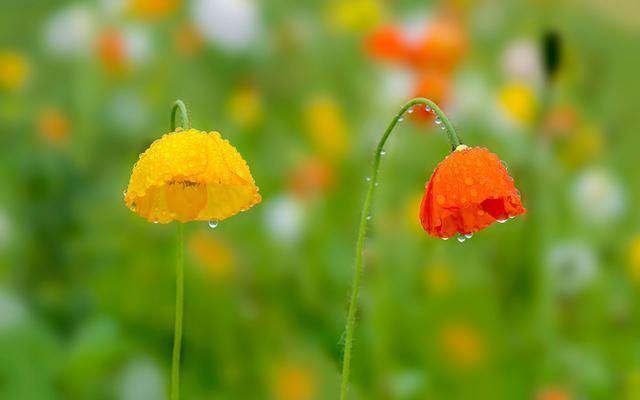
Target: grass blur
(542,307)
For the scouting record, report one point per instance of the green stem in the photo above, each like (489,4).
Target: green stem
(177,337)
(364,217)
(179,105)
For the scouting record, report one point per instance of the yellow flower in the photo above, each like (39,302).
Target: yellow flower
(14,70)
(634,259)
(582,147)
(216,257)
(294,382)
(190,175)
(152,8)
(245,106)
(327,127)
(519,102)
(355,15)
(462,346)
(413,217)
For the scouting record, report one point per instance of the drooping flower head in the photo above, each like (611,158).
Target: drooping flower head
(190,176)
(468,191)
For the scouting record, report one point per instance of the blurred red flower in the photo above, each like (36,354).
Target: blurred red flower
(467,192)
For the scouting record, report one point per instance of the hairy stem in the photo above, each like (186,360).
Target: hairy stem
(364,217)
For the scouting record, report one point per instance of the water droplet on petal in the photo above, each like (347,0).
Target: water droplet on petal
(445,238)
(438,121)
(440,199)
(468,235)
(213,224)
(504,164)
(461,238)
(502,221)
(155,222)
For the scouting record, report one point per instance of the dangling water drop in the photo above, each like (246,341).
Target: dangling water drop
(427,109)
(438,121)
(369,217)
(468,235)
(382,152)
(502,221)
(213,224)
(410,110)
(445,238)
(155,222)
(504,164)
(443,127)
(400,119)
(368,178)
(461,238)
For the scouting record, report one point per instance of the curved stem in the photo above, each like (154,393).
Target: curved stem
(364,217)
(177,337)
(184,115)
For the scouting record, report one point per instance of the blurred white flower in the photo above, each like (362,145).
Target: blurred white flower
(71,31)
(572,266)
(521,62)
(128,111)
(12,311)
(232,24)
(469,100)
(598,196)
(284,218)
(141,379)
(397,85)
(137,45)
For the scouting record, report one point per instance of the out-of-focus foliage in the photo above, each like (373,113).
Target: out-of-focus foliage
(545,306)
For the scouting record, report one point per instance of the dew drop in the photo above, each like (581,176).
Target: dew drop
(382,152)
(369,217)
(410,110)
(155,222)
(213,224)
(445,238)
(438,121)
(502,221)
(440,199)
(461,238)
(400,119)
(504,164)
(468,235)
(427,109)
(368,179)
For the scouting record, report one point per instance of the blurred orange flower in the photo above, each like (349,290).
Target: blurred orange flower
(433,85)
(553,393)
(188,40)
(462,345)
(14,70)
(467,192)
(387,44)
(153,8)
(312,177)
(53,126)
(245,106)
(112,52)
(217,258)
(294,382)
(190,175)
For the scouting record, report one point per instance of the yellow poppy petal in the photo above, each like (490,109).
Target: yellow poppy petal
(190,176)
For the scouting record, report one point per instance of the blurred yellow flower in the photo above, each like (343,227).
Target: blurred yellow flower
(53,125)
(190,175)
(245,106)
(582,147)
(462,345)
(214,255)
(326,127)
(152,8)
(634,259)
(355,15)
(438,278)
(413,216)
(294,382)
(14,70)
(519,102)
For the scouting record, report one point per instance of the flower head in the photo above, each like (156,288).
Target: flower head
(467,192)
(190,175)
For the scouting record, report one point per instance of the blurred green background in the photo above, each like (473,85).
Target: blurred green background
(543,307)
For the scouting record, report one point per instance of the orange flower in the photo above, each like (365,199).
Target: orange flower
(433,85)
(111,51)
(467,192)
(442,46)
(387,43)
(53,125)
